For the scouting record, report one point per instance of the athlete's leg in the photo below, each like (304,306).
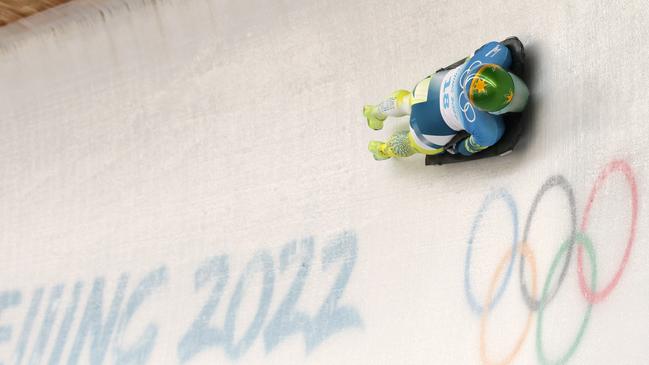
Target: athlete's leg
(397,105)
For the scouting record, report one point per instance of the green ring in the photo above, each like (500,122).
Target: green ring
(579,237)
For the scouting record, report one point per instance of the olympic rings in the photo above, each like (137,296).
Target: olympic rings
(567,245)
(576,237)
(526,253)
(624,168)
(498,194)
(560,181)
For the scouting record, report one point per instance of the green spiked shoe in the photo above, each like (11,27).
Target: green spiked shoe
(376,148)
(374,122)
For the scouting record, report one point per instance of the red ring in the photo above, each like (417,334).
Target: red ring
(616,165)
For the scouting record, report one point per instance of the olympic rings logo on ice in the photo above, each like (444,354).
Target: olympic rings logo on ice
(577,236)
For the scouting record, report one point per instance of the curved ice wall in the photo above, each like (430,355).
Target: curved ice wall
(188,183)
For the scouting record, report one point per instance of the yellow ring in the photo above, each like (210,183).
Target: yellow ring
(527,253)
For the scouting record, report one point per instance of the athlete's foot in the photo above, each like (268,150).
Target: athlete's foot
(374,122)
(376,147)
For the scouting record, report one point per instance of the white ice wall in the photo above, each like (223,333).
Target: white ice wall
(188,182)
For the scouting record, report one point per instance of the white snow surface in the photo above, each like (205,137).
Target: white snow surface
(198,171)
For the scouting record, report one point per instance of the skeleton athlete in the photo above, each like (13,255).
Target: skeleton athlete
(471,97)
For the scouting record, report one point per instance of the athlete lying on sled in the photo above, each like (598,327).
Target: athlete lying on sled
(466,100)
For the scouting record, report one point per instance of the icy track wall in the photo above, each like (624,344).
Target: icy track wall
(188,183)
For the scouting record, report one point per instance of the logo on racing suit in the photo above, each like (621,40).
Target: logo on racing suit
(453,96)
(448,97)
(465,79)
(494,51)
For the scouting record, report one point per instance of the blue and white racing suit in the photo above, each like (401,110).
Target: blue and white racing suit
(441,107)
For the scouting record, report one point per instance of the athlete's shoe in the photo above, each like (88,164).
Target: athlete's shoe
(376,147)
(376,123)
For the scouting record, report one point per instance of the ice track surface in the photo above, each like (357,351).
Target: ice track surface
(187,182)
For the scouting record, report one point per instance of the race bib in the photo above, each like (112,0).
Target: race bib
(448,101)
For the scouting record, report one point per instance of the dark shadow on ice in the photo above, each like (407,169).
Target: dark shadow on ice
(530,114)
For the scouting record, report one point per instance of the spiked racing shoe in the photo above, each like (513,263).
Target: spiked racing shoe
(374,122)
(376,147)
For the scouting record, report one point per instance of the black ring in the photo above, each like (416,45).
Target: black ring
(560,181)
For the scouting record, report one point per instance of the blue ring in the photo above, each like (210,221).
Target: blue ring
(494,195)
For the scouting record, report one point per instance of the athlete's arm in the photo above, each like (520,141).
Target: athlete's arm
(485,132)
(493,52)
